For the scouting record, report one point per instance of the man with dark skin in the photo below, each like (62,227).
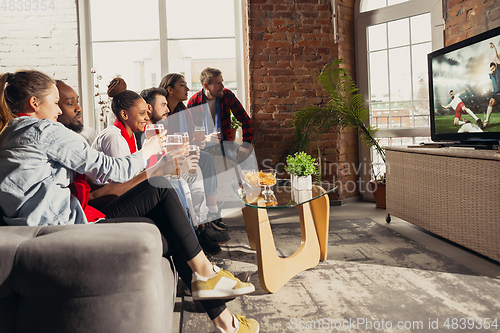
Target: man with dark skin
(68,103)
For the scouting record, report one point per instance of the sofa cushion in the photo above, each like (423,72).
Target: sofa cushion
(86,278)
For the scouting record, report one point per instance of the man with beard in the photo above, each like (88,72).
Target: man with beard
(71,116)
(72,112)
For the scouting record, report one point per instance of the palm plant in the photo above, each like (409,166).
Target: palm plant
(345,108)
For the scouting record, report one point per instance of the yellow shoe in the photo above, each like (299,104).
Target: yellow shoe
(243,325)
(223,285)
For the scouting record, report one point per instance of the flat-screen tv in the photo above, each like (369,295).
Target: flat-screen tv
(464,91)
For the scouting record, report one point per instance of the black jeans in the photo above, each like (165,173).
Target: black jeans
(161,206)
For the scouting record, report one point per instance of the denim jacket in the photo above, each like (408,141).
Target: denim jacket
(39,159)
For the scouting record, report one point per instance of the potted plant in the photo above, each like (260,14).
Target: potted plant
(235,124)
(346,108)
(301,166)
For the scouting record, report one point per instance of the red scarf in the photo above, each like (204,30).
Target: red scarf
(23,115)
(129,138)
(82,191)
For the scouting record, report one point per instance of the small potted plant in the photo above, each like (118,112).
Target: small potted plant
(301,166)
(235,124)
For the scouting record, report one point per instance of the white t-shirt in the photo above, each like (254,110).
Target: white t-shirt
(454,102)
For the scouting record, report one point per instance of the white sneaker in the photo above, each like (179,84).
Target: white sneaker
(222,285)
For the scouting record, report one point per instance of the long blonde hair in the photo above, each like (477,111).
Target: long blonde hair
(17,88)
(5,114)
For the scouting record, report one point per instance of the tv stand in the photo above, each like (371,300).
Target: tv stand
(450,192)
(486,145)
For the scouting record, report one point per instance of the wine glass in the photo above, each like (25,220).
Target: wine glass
(267,178)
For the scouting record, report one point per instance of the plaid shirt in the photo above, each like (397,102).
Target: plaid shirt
(229,103)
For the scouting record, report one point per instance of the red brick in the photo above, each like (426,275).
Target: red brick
(281,7)
(279,44)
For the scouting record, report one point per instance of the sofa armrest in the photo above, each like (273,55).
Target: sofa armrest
(88,278)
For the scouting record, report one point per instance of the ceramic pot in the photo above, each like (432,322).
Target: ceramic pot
(304,183)
(378,190)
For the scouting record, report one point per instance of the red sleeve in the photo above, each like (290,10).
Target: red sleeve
(240,114)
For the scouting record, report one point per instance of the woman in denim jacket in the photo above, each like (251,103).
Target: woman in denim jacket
(39,158)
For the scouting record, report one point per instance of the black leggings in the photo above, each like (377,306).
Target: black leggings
(160,204)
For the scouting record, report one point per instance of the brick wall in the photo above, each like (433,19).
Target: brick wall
(467,18)
(289,43)
(44,40)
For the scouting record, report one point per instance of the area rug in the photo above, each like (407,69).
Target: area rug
(374,280)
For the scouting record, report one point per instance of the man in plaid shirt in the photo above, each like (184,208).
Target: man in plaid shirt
(218,102)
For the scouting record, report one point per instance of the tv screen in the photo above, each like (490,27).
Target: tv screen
(464,90)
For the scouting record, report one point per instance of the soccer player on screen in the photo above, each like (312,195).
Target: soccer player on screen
(495,80)
(458,105)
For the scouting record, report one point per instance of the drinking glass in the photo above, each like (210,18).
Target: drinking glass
(152,130)
(185,141)
(267,178)
(184,135)
(199,134)
(174,142)
(217,131)
(192,151)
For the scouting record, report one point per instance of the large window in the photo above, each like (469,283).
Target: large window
(393,40)
(143,41)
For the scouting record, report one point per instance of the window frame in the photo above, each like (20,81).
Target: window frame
(86,80)
(382,15)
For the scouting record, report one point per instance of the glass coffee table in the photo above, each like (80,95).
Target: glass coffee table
(314,214)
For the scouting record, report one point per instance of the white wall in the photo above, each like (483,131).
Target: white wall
(43,40)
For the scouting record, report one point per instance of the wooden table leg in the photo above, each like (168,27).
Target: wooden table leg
(320,209)
(274,271)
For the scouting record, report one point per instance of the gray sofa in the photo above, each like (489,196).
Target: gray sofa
(85,278)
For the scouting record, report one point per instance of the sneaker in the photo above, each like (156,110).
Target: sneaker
(219,225)
(208,246)
(479,123)
(243,325)
(486,123)
(213,234)
(221,286)
(217,222)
